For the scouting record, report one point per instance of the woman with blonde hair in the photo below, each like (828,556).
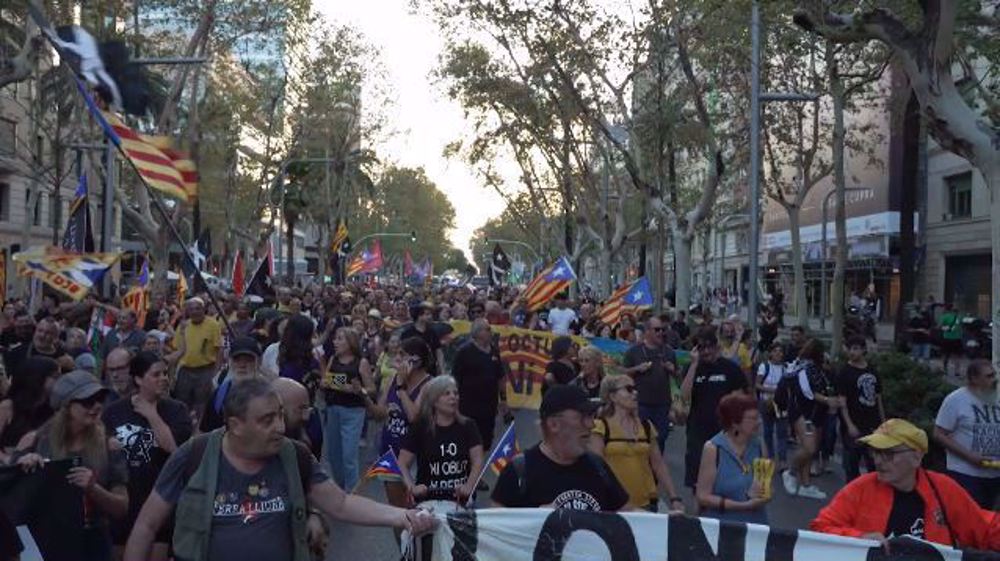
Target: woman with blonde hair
(629,446)
(591,361)
(77,432)
(447,448)
(347,389)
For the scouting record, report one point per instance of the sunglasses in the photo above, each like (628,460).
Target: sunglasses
(629,388)
(91,401)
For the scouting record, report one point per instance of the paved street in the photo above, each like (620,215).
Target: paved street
(352,542)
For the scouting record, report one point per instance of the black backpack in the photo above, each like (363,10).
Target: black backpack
(521,471)
(786,393)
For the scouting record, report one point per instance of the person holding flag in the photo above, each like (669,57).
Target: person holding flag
(560,472)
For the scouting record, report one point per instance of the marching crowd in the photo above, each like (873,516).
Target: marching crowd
(200,434)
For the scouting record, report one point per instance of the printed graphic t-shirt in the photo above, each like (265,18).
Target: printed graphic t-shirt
(907,515)
(579,486)
(443,460)
(252,512)
(975,424)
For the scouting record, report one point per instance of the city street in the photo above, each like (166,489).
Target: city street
(353,542)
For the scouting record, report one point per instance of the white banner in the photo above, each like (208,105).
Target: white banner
(573,535)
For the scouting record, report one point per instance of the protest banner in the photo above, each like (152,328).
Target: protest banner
(525,352)
(46,505)
(555,535)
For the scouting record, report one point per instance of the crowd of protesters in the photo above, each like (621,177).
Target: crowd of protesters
(257,403)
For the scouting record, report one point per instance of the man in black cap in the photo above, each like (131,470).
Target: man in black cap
(560,472)
(244,364)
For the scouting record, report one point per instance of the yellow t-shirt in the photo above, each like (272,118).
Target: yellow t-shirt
(203,341)
(629,459)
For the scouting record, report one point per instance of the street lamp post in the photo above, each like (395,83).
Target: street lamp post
(756,98)
(823,290)
(515,242)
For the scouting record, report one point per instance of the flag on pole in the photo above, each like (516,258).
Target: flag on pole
(385,468)
(504,451)
(238,273)
(407,264)
(78,238)
(499,266)
(182,288)
(152,164)
(260,283)
(369,261)
(630,298)
(72,274)
(137,298)
(551,281)
(340,237)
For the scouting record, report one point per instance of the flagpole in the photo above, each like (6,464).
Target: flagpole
(486,465)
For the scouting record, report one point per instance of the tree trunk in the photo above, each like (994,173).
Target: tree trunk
(840,200)
(801,308)
(907,157)
(992,177)
(682,273)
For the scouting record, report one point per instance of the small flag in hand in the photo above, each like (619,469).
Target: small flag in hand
(505,451)
(385,468)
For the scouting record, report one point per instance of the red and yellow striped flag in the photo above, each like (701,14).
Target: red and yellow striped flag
(154,166)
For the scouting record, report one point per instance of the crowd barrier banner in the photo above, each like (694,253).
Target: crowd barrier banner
(574,535)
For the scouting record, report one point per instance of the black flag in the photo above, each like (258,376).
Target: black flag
(201,251)
(499,266)
(78,238)
(260,283)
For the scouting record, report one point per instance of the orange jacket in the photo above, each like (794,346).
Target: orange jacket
(864,505)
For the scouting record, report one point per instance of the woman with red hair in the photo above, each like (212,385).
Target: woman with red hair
(726,488)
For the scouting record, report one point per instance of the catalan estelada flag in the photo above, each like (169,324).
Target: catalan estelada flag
(385,468)
(369,261)
(629,298)
(137,298)
(72,274)
(505,450)
(551,281)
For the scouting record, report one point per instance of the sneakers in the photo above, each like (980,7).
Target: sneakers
(790,481)
(811,492)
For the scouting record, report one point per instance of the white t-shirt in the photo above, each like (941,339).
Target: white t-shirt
(975,424)
(560,320)
(269,362)
(771,373)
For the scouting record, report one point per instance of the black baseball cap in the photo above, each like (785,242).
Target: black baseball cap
(564,398)
(245,346)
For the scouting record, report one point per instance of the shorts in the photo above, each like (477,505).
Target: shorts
(194,387)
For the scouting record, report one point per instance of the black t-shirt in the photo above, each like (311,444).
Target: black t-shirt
(562,372)
(443,460)
(478,374)
(653,384)
(430,337)
(17,354)
(792,351)
(143,454)
(861,388)
(920,321)
(587,484)
(907,515)
(712,382)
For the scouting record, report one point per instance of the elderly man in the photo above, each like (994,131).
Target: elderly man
(43,342)
(244,364)
(200,356)
(560,472)
(295,405)
(126,333)
(901,498)
(116,374)
(250,489)
(482,380)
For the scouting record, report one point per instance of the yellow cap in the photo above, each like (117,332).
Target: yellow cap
(897,432)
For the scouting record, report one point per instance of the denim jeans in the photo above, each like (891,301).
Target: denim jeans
(775,434)
(983,490)
(659,417)
(920,351)
(342,434)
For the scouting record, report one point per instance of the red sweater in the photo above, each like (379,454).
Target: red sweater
(864,505)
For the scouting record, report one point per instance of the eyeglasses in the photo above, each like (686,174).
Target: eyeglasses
(91,401)
(889,454)
(628,388)
(657,329)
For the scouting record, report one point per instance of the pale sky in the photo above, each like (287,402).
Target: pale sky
(426,120)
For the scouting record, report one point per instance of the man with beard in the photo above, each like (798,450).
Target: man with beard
(968,426)
(43,342)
